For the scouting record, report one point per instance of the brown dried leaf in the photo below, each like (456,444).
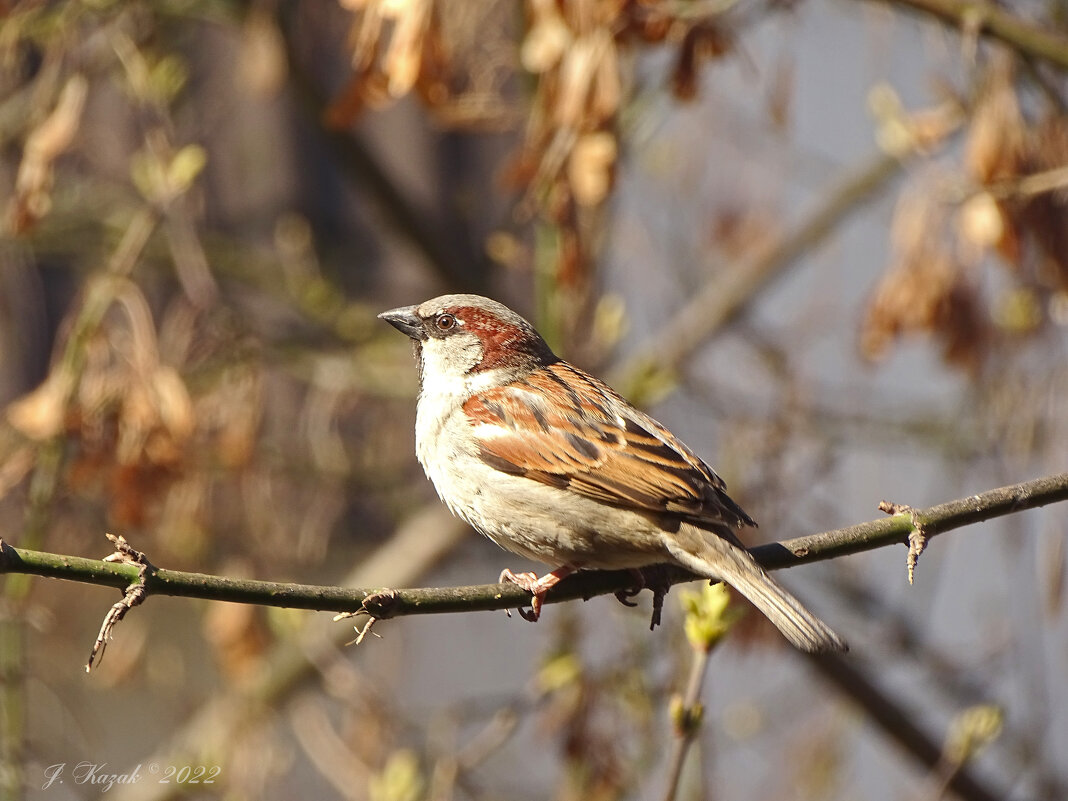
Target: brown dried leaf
(175,407)
(33,184)
(576,80)
(262,64)
(232,415)
(962,323)
(980,226)
(684,76)
(652,26)
(925,290)
(138,416)
(607,89)
(590,167)
(366,38)
(919,218)
(996,142)
(701,42)
(930,296)
(546,41)
(902,302)
(134,490)
(1045,215)
(404,57)
(40,415)
(931,127)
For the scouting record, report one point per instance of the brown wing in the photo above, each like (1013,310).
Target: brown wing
(597,444)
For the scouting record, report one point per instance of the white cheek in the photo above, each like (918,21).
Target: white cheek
(446,368)
(445,364)
(437,382)
(446,386)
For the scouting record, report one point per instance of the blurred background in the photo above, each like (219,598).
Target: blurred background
(825,242)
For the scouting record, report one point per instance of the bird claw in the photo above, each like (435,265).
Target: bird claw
(537,587)
(528,582)
(658,606)
(659,585)
(624,596)
(649,578)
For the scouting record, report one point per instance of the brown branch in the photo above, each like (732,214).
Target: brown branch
(981,17)
(385,603)
(889,714)
(730,292)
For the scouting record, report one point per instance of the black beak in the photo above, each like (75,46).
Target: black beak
(406,321)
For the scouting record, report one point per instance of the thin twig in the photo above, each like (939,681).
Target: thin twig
(981,17)
(135,594)
(385,603)
(889,714)
(689,721)
(217,725)
(917,537)
(730,292)
(1034,184)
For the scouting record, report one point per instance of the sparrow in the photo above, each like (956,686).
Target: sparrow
(554,465)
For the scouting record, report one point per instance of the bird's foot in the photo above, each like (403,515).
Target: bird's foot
(624,596)
(658,583)
(650,578)
(537,587)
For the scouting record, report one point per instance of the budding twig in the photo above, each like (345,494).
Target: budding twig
(917,537)
(134,595)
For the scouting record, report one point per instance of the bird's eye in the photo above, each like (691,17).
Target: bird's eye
(445,322)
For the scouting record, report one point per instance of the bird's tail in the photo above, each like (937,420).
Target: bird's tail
(717,558)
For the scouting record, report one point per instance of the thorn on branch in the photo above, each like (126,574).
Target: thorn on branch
(134,595)
(917,539)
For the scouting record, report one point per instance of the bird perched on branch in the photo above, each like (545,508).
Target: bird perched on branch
(554,465)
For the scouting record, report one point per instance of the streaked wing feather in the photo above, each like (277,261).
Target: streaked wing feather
(626,458)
